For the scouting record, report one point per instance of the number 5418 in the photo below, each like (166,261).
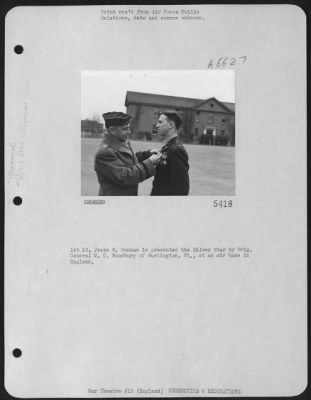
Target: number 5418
(222,203)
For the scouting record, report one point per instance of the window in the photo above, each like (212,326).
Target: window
(223,120)
(210,118)
(154,129)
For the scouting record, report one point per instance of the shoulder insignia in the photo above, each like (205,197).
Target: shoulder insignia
(104,146)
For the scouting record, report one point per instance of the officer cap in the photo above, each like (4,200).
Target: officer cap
(115,118)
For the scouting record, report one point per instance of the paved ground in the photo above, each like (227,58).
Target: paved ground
(212,169)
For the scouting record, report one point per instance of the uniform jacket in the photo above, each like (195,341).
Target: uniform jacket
(172,177)
(118,170)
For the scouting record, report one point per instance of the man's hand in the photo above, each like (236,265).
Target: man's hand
(155,158)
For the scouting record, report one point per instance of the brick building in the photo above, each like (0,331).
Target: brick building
(207,121)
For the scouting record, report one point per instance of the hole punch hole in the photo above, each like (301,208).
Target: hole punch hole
(17,200)
(17,353)
(18,49)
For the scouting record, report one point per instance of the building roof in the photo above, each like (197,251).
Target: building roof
(159,99)
(213,99)
(168,101)
(231,106)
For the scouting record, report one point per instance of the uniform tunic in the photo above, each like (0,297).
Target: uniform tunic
(118,170)
(172,176)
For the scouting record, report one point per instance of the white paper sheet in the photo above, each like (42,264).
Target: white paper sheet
(155,326)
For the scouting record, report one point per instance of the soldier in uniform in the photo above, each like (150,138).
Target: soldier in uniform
(117,167)
(172,176)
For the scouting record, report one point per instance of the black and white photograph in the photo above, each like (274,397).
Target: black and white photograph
(158,133)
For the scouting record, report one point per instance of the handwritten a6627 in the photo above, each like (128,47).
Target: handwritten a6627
(226,62)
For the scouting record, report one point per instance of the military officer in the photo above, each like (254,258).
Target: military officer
(117,167)
(172,176)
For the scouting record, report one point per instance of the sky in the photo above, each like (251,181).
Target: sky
(104,91)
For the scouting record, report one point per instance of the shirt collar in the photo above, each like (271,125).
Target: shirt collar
(166,141)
